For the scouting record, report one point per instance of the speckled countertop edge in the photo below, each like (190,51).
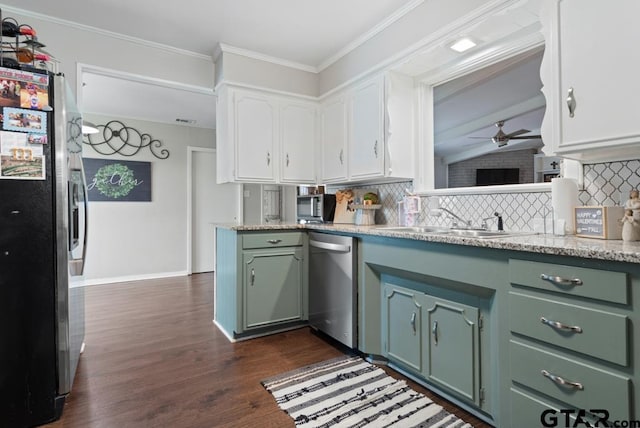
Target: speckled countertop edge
(612,250)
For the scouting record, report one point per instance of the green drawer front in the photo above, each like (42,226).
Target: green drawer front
(272,239)
(527,411)
(601,389)
(604,334)
(597,284)
(530,411)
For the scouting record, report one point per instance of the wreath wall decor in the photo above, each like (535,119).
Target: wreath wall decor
(116,137)
(116,180)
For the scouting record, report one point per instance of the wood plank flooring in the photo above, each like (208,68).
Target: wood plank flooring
(154,358)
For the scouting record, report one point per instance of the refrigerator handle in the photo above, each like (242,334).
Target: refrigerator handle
(76,266)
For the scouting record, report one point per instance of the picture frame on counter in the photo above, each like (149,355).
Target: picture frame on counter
(600,222)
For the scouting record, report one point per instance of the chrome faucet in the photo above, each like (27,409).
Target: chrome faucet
(484,225)
(456,218)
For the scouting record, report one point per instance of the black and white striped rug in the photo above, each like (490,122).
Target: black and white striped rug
(350,392)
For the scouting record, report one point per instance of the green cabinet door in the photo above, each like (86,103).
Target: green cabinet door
(402,326)
(453,356)
(272,286)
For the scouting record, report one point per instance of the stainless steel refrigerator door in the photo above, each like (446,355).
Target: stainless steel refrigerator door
(333,286)
(71,232)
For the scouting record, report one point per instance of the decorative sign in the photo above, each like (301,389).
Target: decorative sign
(118,180)
(598,222)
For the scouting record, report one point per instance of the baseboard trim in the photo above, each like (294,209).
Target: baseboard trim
(116,279)
(227,335)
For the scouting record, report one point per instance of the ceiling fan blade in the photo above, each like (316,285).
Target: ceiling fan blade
(518,132)
(526,137)
(482,138)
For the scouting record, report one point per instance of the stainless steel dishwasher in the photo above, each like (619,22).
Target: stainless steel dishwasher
(333,286)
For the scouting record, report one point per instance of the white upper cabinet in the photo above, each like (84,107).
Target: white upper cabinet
(298,137)
(366,148)
(334,134)
(590,79)
(368,131)
(265,138)
(256,135)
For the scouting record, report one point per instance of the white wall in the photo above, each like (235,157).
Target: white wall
(241,69)
(137,240)
(72,44)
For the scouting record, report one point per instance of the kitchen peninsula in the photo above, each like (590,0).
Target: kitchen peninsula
(504,327)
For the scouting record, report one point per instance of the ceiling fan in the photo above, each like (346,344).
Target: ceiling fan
(501,138)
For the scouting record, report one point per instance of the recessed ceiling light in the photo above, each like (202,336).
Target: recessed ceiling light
(463,44)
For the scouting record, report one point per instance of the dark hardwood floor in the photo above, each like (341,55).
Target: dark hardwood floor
(154,358)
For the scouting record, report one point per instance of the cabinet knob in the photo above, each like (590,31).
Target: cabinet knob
(561,381)
(560,326)
(571,102)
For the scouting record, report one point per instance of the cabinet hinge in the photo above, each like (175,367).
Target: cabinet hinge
(481,395)
(480,322)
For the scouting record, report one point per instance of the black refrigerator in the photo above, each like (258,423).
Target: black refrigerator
(43,244)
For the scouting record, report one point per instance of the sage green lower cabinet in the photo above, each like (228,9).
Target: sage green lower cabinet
(520,339)
(434,337)
(402,337)
(261,281)
(272,286)
(453,353)
(572,354)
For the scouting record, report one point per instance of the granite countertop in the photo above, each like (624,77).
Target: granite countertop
(613,250)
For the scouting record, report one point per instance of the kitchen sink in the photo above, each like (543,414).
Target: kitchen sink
(416,229)
(474,233)
(471,233)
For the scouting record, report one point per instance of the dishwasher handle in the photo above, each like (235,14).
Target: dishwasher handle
(329,246)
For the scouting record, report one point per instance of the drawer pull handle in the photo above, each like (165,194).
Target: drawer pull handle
(274,241)
(558,280)
(560,326)
(562,381)
(253,277)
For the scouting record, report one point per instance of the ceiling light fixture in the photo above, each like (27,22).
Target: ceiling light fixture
(463,44)
(89,128)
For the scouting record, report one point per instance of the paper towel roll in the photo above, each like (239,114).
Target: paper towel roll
(564,197)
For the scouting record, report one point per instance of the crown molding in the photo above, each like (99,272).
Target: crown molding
(112,34)
(369,34)
(223,47)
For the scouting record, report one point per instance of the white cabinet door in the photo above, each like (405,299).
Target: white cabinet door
(298,138)
(366,151)
(334,140)
(591,69)
(255,136)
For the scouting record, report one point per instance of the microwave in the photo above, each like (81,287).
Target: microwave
(315,208)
